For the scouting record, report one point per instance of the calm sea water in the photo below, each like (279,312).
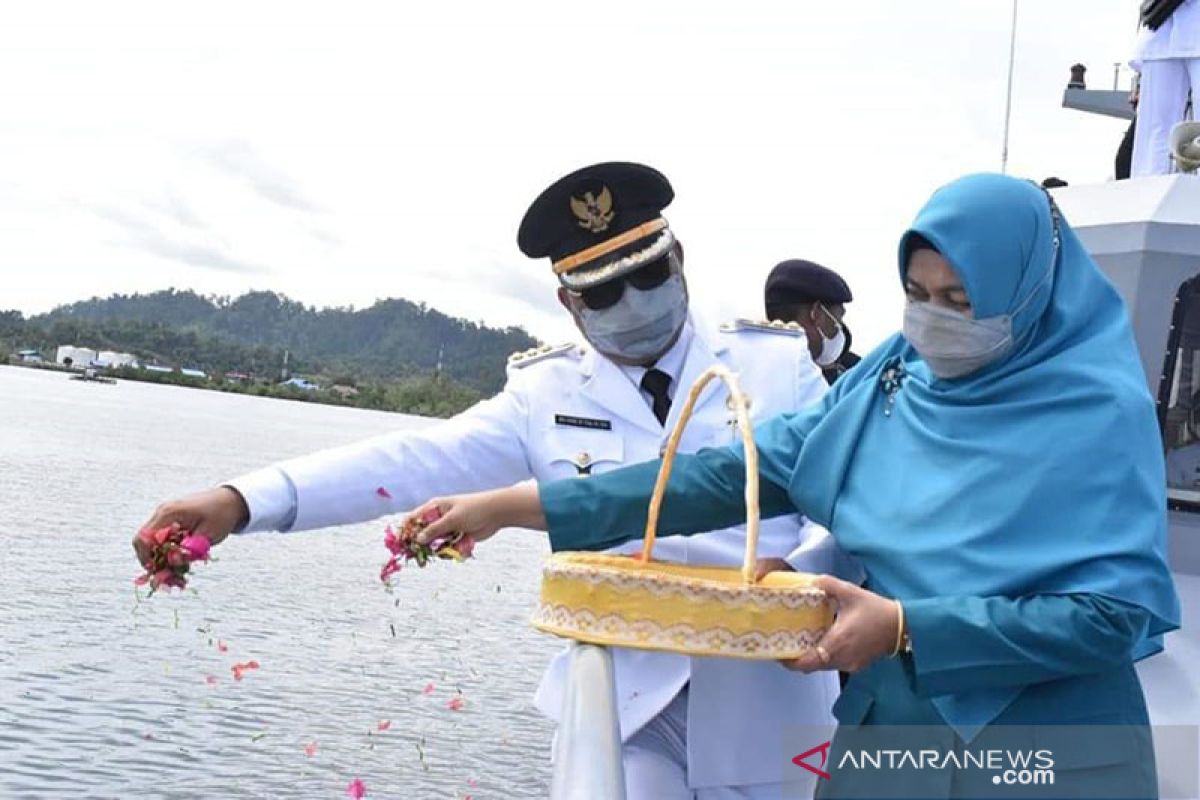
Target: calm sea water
(103,696)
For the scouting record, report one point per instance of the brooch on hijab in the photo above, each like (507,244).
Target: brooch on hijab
(891,380)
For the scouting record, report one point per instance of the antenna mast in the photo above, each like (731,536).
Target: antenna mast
(1012,61)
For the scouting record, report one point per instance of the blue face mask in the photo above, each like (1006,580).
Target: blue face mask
(642,325)
(952,344)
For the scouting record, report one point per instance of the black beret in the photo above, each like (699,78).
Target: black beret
(598,216)
(799,281)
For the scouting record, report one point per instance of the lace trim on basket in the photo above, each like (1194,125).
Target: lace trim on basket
(648,633)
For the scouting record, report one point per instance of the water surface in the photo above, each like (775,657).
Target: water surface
(101,696)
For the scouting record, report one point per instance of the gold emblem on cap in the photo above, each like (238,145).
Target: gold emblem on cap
(594,212)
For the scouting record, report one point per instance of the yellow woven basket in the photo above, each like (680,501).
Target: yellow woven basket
(634,601)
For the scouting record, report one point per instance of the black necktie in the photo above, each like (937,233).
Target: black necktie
(656,383)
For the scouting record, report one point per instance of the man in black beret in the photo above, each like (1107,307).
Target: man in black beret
(814,297)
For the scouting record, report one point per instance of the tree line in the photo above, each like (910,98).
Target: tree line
(399,355)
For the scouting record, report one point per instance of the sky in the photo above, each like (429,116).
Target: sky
(341,153)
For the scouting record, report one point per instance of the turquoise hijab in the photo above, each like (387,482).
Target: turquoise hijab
(1041,473)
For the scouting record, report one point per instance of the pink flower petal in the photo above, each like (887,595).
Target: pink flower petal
(211,680)
(357,790)
(431,515)
(384,493)
(455,704)
(310,749)
(196,546)
(239,669)
(384,725)
(428,689)
(389,569)
(222,647)
(465,546)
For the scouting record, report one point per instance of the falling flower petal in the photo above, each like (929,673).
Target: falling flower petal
(211,680)
(222,647)
(310,749)
(357,790)
(238,669)
(428,689)
(384,725)
(389,569)
(384,493)
(455,704)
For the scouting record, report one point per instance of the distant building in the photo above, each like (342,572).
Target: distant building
(107,358)
(237,377)
(157,368)
(301,383)
(79,356)
(29,356)
(192,373)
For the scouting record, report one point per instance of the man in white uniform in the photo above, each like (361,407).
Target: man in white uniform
(1168,60)
(1183,463)
(692,727)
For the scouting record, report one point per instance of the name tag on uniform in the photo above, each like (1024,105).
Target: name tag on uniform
(582,422)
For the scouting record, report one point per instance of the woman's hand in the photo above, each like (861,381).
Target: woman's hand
(864,630)
(481,515)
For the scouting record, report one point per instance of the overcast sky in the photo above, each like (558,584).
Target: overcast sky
(345,152)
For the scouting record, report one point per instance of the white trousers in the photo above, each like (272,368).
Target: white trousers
(1165,84)
(655,760)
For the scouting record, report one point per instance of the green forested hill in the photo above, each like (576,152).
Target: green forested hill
(391,340)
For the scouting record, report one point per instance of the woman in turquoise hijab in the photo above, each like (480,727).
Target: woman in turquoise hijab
(996,468)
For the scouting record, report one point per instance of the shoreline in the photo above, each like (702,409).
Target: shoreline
(413,396)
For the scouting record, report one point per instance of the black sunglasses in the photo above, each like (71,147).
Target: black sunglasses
(607,294)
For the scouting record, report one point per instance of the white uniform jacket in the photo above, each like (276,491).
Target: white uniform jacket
(569,411)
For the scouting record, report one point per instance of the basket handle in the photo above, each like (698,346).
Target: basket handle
(664,472)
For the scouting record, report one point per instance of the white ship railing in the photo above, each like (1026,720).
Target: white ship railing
(587,749)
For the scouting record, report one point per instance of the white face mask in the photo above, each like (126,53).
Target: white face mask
(953,344)
(831,347)
(642,325)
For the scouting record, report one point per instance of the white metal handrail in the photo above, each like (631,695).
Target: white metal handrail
(587,749)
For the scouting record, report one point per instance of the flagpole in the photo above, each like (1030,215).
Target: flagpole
(1012,61)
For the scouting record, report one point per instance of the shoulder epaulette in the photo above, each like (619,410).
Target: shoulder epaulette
(535,354)
(775,326)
